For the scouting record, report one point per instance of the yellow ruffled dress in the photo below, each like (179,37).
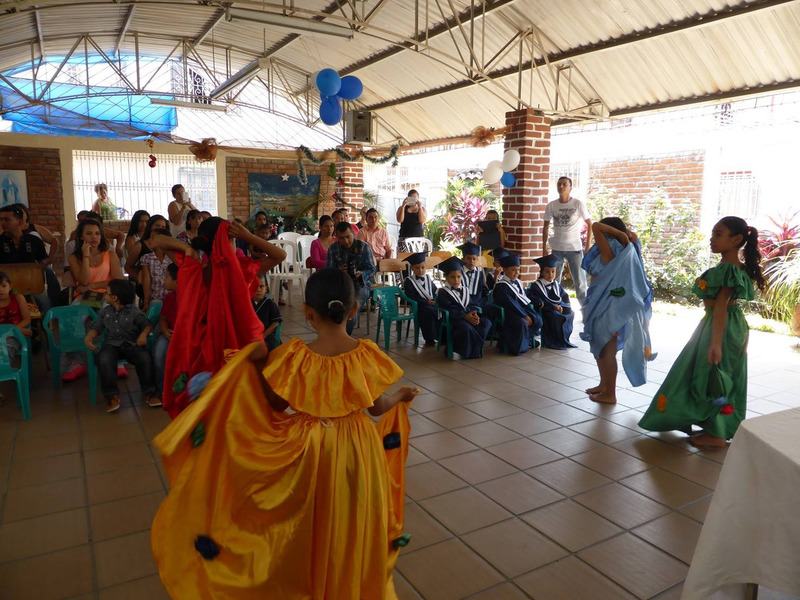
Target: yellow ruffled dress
(286,506)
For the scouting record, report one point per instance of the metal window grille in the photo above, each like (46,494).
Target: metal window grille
(133,185)
(571,170)
(738,194)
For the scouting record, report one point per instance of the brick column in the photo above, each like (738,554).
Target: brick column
(351,174)
(523,205)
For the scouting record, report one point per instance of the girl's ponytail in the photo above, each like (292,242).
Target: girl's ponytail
(752,258)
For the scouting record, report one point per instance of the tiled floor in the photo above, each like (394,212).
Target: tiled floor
(518,486)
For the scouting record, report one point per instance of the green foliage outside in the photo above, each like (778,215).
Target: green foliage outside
(465,202)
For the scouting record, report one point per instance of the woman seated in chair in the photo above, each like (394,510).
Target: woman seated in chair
(522,322)
(419,287)
(468,328)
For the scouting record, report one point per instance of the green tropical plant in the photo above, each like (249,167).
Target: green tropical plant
(783,292)
(465,202)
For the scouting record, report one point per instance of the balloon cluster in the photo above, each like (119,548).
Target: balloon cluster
(332,90)
(501,170)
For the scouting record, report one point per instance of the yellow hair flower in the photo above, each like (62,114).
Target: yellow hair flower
(702,284)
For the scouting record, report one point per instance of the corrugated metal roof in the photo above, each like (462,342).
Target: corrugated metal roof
(672,59)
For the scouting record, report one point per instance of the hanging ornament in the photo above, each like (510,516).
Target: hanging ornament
(152,162)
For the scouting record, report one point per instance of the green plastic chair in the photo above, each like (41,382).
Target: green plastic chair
(446,329)
(497,323)
(66,330)
(18,374)
(153,315)
(277,334)
(388,313)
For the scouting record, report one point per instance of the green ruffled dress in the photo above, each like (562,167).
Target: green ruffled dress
(690,393)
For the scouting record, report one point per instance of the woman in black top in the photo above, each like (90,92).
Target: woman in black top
(411,216)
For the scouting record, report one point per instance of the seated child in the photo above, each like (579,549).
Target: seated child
(557,315)
(469,328)
(277,504)
(474,279)
(267,312)
(493,274)
(166,324)
(419,287)
(13,311)
(126,328)
(523,322)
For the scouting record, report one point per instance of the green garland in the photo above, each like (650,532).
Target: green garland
(303,152)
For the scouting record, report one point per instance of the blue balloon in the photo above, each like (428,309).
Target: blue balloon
(328,82)
(330,111)
(352,87)
(508,180)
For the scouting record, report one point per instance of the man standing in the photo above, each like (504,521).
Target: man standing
(568,215)
(354,257)
(376,236)
(177,210)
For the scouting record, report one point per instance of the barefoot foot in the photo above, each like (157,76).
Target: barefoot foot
(603,397)
(705,440)
(594,390)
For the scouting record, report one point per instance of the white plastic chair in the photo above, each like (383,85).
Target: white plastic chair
(289,236)
(304,249)
(419,244)
(288,270)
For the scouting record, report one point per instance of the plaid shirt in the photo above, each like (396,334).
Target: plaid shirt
(357,257)
(121,326)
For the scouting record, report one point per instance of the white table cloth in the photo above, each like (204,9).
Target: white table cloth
(752,531)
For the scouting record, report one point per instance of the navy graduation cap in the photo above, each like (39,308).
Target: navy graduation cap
(510,260)
(546,262)
(416,258)
(451,264)
(499,253)
(470,249)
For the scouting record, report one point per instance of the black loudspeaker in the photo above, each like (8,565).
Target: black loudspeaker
(358,126)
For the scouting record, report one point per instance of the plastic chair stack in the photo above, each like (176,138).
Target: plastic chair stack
(388,313)
(288,270)
(66,329)
(419,244)
(19,374)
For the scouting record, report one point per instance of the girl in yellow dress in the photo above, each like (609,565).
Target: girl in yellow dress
(281,486)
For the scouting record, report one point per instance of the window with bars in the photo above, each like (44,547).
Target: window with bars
(738,194)
(133,185)
(571,170)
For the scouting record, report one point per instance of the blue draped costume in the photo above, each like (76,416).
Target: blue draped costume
(619,301)
(516,336)
(556,326)
(468,339)
(423,291)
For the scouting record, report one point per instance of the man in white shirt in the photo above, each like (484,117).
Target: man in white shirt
(568,215)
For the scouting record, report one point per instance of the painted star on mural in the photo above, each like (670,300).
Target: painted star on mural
(285,177)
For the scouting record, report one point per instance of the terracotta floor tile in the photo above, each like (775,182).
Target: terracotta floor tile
(570,579)
(430,479)
(652,450)
(697,510)
(475,467)
(513,548)
(494,408)
(527,423)
(424,529)
(25,503)
(40,535)
(628,418)
(464,510)
(610,462)
(442,444)
(421,425)
(565,441)
(455,416)
(415,457)
(571,525)
(519,493)
(604,431)
(568,477)
(673,533)
(121,517)
(97,419)
(528,400)
(524,453)
(635,565)
(447,571)
(486,434)
(47,425)
(65,443)
(148,587)
(123,559)
(113,458)
(674,593)
(598,409)
(404,590)
(38,471)
(696,469)
(113,435)
(621,505)
(429,401)
(123,483)
(665,487)
(68,573)
(564,414)
(504,591)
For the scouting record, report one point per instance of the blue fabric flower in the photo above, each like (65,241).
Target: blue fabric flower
(197,384)
(207,547)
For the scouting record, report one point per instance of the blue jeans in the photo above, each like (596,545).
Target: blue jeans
(362,295)
(159,361)
(574,258)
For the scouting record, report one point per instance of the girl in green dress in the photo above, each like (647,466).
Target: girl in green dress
(707,385)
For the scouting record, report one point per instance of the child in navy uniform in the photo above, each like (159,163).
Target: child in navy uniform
(474,278)
(468,327)
(493,274)
(268,313)
(522,322)
(419,287)
(556,310)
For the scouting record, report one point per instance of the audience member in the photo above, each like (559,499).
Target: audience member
(376,236)
(103,205)
(178,208)
(320,246)
(353,257)
(411,216)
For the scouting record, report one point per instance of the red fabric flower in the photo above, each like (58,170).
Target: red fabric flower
(726,410)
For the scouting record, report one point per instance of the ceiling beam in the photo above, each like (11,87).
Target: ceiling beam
(436,30)
(124,29)
(215,20)
(39,34)
(624,40)
(285,41)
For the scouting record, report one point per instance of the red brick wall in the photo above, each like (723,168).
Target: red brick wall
(42,168)
(352,175)
(237,170)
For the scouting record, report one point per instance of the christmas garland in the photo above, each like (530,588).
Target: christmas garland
(304,153)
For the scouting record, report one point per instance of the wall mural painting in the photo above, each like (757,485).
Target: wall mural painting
(282,195)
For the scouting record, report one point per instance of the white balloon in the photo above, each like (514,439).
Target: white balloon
(510,160)
(493,172)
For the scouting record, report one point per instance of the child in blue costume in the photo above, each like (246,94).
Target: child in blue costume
(474,278)
(523,322)
(469,327)
(420,287)
(616,313)
(557,315)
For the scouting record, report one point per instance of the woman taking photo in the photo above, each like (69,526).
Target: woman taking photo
(411,216)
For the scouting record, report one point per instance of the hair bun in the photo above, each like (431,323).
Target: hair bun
(336,311)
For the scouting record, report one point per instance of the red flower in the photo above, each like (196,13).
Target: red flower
(726,410)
